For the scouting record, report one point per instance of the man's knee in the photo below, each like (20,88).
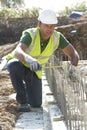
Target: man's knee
(13,65)
(36,104)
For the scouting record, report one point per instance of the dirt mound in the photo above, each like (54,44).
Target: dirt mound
(8,107)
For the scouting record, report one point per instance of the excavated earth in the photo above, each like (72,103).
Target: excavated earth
(8,107)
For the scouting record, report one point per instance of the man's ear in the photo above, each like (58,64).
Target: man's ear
(38,24)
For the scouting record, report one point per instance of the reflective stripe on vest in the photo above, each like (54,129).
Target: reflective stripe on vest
(34,49)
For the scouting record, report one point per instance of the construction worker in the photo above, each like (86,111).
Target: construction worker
(35,47)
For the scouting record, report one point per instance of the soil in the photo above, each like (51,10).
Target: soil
(8,106)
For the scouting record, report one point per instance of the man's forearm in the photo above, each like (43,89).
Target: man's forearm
(72,54)
(75,59)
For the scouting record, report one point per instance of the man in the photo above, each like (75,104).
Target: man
(33,51)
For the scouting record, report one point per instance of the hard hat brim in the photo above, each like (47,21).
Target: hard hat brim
(46,22)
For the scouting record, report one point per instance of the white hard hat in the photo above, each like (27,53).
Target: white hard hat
(48,17)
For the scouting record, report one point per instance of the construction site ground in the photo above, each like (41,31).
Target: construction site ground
(48,117)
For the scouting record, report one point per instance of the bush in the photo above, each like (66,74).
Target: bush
(18,13)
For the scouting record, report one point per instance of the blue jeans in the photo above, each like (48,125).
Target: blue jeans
(26,83)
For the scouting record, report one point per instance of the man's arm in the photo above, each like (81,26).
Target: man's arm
(72,54)
(19,52)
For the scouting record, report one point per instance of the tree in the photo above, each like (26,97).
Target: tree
(3,2)
(81,6)
(11,3)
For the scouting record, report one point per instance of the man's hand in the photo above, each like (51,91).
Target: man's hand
(34,66)
(33,63)
(70,70)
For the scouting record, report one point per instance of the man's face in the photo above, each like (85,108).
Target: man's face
(46,30)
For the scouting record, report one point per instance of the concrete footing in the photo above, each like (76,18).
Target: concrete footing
(49,117)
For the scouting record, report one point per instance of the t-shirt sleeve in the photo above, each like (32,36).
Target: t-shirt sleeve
(26,39)
(63,41)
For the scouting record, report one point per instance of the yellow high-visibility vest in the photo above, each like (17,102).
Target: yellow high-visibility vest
(34,49)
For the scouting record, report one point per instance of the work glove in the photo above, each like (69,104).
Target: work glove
(33,63)
(70,70)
